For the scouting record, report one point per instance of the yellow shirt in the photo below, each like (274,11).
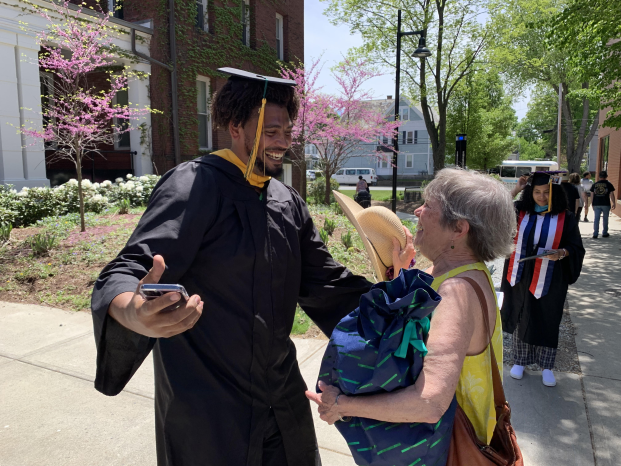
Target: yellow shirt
(475,389)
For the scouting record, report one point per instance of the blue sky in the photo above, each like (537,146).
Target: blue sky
(320,36)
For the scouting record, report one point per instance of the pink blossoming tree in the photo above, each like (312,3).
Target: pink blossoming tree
(78,118)
(341,126)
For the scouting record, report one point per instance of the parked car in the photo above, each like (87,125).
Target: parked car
(310,175)
(350,175)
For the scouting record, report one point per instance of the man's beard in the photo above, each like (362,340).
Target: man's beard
(260,164)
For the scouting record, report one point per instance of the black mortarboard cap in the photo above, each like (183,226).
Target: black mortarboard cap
(241,74)
(541,178)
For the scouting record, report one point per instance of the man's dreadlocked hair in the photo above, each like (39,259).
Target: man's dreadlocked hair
(236,101)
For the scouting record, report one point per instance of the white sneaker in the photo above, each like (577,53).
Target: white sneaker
(548,378)
(517,372)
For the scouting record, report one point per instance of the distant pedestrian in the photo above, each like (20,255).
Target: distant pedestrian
(362,185)
(573,196)
(535,289)
(586,186)
(574,179)
(603,202)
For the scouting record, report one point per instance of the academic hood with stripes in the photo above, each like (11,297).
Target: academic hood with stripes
(535,290)
(251,259)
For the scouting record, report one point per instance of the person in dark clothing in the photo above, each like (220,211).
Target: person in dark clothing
(535,290)
(573,196)
(603,202)
(228,390)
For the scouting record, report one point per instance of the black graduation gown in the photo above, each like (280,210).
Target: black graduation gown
(251,261)
(538,320)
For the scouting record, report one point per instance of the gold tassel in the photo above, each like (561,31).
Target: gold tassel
(257,139)
(549,198)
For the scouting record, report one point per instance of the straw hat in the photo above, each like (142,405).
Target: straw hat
(376,227)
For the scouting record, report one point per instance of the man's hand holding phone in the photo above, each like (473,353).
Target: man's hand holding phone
(162,317)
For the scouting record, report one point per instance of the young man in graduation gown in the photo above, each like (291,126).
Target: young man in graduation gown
(535,289)
(228,390)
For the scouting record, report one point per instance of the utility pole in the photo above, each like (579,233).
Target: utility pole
(558,136)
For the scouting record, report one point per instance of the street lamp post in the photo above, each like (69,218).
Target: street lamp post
(421,52)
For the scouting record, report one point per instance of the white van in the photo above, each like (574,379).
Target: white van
(511,170)
(350,175)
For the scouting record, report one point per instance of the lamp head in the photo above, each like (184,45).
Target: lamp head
(422,51)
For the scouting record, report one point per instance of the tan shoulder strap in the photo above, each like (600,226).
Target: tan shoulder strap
(499,392)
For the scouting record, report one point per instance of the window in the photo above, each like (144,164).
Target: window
(382,163)
(385,140)
(204,119)
(605,148)
(122,140)
(201,15)
(542,169)
(409,160)
(116,8)
(522,171)
(415,137)
(507,172)
(409,137)
(364,172)
(279,37)
(350,172)
(340,172)
(245,20)
(404,114)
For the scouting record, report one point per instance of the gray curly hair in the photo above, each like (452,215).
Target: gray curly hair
(483,202)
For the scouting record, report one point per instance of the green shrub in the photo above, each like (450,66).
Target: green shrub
(324,236)
(409,225)
(336,207)
(5,232)
(124,205)
(329,225)
(42,243)
(317,190)
(347,240)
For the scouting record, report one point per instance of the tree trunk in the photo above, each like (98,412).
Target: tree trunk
(78,155)
(326,199)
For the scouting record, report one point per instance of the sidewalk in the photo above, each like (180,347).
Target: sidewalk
(50,414)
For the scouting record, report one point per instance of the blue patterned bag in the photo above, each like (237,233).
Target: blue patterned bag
(379,348)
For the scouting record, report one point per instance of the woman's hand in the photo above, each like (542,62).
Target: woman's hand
(326,400)
(560,254)
(401,258)
(521,184)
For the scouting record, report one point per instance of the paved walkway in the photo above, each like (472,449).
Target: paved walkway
(50,414)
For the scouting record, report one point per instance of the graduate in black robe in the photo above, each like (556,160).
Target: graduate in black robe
(533,305)
(228,390)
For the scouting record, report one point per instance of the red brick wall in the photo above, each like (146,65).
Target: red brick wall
(614,158)
(262,28)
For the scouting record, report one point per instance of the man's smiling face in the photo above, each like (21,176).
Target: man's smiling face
(274,142)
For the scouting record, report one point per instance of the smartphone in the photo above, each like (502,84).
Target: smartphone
(151,291)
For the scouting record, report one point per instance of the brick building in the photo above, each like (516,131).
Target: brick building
(248,34)
(609,157)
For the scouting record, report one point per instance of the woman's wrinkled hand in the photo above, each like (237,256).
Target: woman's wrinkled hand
(326,400)
(401,258)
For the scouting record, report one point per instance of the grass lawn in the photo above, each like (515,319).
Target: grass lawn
(64,276)
(378,195)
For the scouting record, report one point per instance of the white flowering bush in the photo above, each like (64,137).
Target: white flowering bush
(29,205)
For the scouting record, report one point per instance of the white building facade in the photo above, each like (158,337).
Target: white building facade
(22,160)
(415,156)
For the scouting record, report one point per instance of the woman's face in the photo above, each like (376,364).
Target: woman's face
(541,194)
(432,238)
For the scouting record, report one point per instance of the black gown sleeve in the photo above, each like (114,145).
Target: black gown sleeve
(572,241)
(328,291)
(181,209)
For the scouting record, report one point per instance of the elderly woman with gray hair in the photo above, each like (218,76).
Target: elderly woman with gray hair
(467,218)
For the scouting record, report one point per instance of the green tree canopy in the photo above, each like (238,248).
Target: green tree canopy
(480,109)
(454,35)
